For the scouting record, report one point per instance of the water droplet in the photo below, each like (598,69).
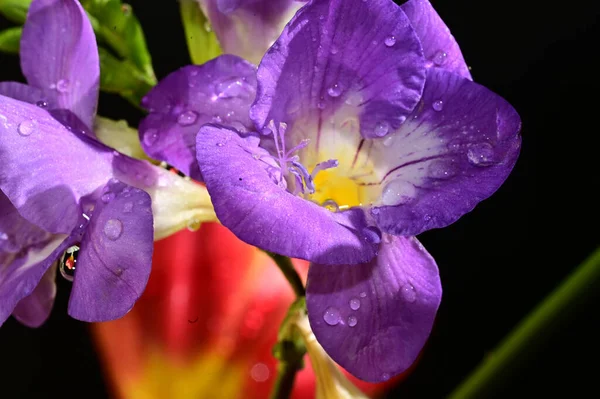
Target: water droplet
(397,192)
(390,41)
(375,211)
(207,26)
(260,372)
(334,91)
(113,228)
(27,127)
(441,170)
(439,58)
(193,224)
(106,198)
(372,234)
(321,105)
(128,207)
(187,118)
(266,131)
(331,205)
(427,217)
(334,50)
(42,104)
(354,99)
(150,136)
(220,144)
(62,86)
(381,128)
(409,293)
(363,294)
(331,316)
(438,105)
(389,140)
(481,154)
(385,377)
(352,321)
(234,87)
(68,263)
(354,303)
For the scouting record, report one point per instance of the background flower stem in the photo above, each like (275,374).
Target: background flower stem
(287,268)
(528,336)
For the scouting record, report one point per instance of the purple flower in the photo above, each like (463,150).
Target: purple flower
(62,188)
(369,131)
(247,28)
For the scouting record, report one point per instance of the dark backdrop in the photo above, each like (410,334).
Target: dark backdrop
(496,263)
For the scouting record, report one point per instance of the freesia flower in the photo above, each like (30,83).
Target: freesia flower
(370,131)
(247,28)
(64,190)
(210,313)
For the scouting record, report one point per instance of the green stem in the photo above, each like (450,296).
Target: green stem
(287,268)
(286,374)
(527,336)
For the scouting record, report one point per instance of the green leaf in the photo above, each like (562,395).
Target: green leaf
(10,40)
(202,41)
(15,10)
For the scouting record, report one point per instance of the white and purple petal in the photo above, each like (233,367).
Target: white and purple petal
(47,168)
(34,310)
(374,318)
(59,55)
(23,92)
(454,151)
(340,53)
(261,213)
(116,255)
(439,46)
(219,91)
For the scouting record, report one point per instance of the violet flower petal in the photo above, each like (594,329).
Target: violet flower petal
(341,53)
(46,167)
(116,255)
(261,213)
(59,55)
(221,90)
(374,318)
(456,149)
(34,310)
(23,92)
(16,233)
(439,46)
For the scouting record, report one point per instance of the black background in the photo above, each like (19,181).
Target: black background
(496,263)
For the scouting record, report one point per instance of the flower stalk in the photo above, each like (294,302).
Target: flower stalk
(527,337)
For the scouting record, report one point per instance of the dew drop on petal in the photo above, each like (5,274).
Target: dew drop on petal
(390,41)
(234,87)
(27,127)
(187,118)
(62,86)
(193,224)
(150,136)
(397,192)
(481,154)
(389,140)
(439,58)
(381,128)
(334,91)
(363,294)
(331,316)
(372,234)
(438,105)
(106,198)
(385,376)
(409,293)
(441,170)
(113,229)
(128,207)
(352,321)
(375,211)
(42,104)
(354,303)
(334,50)
(331,205)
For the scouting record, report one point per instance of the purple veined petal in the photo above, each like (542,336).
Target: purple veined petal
(454,151)
(115,257)
(247,28)
(439,46)
(35,309)
(259,212)
(220,91)
(23,92)
(59,55)
(346,56)
(374,318)
(46,167)
(20,275)
(16,233)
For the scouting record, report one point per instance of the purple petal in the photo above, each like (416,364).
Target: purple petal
(439,46)
(46,167)
(219,91)
(455,150)
(59,55)
(35,309)
(22,92)
(374,318)
(19,276)
(116,253)
(339,54)
(261,213)
(16,233)
(247,28)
